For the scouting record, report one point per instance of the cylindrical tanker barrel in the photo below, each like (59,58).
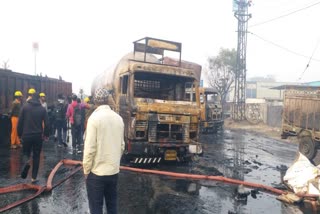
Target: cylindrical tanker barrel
(110,78)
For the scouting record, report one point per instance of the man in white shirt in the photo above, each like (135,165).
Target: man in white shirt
(103,148)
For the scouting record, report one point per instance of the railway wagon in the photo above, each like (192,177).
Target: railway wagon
(12,81)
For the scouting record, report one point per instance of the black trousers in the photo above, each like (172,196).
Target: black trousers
(61,126)
(76,135)
(34,145)
(99,188)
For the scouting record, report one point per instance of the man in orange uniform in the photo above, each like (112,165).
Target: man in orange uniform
(15,110)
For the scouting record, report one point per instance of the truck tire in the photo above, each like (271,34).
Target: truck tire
(307,147)
(284,135)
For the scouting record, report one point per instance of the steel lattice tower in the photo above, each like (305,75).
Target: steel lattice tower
(240,76)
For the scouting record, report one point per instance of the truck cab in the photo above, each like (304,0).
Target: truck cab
(150,94)
(211,119)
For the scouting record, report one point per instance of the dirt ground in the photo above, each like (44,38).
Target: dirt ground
(260,128)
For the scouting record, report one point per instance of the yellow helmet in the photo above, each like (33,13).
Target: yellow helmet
(31,91)
(86,99)
(42,94)
(18,94)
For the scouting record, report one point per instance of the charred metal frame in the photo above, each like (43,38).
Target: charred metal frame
(150,96)
(143,45)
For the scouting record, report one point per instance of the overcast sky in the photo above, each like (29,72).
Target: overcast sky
(79,39)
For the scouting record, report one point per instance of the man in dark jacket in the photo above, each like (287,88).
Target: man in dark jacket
(32,127)
(60,120)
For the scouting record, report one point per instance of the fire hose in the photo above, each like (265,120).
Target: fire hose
(49,186)
(39,189)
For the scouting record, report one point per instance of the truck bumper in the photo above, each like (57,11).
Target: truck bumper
(212,126)
(145,149)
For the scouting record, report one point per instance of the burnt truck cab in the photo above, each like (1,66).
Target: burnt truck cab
(211,110)
(161,120)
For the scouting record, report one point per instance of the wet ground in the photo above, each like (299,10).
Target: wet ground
(235,154)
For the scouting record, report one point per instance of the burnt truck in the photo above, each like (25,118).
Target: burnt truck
(161,119)
(211,110)
(301,118)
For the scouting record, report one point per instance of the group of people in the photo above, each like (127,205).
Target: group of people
(103,146)
(71,111)
(30,124)
(15,114)
(76,114)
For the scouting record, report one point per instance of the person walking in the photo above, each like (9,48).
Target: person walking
(32,128)
(15,110)
(103,148)
(60,120)
(74,116)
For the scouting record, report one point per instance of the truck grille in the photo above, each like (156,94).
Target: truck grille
(141,124)
(167,131)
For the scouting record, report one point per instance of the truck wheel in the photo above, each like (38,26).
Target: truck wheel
(284,135)
(307,147)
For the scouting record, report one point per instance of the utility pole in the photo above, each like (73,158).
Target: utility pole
(35,47)
(240,8)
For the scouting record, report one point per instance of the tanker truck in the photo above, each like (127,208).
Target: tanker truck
(152,96)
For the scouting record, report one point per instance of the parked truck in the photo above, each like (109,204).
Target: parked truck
(301,118)
(211,110)
(161,118)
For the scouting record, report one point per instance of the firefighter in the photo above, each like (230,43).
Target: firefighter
(43,100)
(31,91)
(15,110)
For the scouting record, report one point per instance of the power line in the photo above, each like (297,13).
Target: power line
(284,48)
(282,16)
(307,66)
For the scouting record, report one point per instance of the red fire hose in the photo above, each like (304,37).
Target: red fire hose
(49,185)
(55,169)
(206,177)
(20,187)
(39,189)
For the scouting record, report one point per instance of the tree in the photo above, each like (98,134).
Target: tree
(221,72)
